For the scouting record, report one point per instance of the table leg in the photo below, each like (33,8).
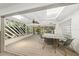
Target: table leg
(56,42)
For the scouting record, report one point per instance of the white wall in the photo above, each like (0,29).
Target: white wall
(74,29)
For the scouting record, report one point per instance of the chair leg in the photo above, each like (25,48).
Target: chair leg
(65,52)
(55,49)
(72,46)
(44,46)
(55,46)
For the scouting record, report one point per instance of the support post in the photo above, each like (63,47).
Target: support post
(2,35)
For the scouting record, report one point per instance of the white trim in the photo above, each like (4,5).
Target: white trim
(13,40)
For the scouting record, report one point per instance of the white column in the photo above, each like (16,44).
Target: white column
(2,35)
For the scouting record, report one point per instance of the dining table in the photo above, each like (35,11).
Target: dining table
(51,39)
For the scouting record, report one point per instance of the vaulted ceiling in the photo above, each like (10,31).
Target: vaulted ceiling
(7,8)
(46,12)
(67,11)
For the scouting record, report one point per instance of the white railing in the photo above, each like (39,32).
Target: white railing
(12,31)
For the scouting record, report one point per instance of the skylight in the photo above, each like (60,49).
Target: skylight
(18,16)
(54,11)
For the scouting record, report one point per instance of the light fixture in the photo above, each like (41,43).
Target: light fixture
(35,22)
(18,16)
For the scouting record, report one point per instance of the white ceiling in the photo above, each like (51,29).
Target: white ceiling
(42,16)
(68,10)
(54,11)
(7,8)
(4,5)
(56,15)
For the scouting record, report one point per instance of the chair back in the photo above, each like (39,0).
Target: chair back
(68,42)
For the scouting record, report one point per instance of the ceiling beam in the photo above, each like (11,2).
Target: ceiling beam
(54,5)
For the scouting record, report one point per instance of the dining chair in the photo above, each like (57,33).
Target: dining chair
(65,44)
(47,41)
